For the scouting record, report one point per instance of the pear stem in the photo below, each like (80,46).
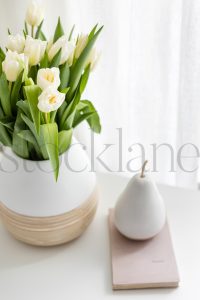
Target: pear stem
(143,169)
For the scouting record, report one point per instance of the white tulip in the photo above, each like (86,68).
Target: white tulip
(13,64)
(92,59)
(34,50)
(34,14)
(50,99)
(66,46)
(48,77)
(15,43)
(80,45)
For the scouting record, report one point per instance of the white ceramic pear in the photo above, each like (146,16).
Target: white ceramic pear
(140,211)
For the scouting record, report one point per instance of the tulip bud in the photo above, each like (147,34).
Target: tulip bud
(15,43)
(34,50)
(34,14)
(66,46)
(80,45)
(92,59)
(50,99)
(48,77)
(13,64)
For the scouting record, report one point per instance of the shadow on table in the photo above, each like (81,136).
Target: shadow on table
(14,253)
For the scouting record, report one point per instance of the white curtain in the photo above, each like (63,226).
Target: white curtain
(147,84)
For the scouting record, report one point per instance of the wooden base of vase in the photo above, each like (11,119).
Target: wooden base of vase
(50,231)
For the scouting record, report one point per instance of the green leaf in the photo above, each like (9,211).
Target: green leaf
(32,152)
(69,121)
(69,111)
(58,32)
(5,137)
(7,122)
(1,112)
(30,124)
(2,55)
(24,33)
(81,118)
(64,76)
(5,95)
(71,33)
(65,90)
(64,140)
(24,106)
(50,134)
(32,94)
(15,92)
(33,73)
(60,112)
(29,81)
(85,106)
(25,74)
(25,28)
(28,136)
(92,32)
(84,79)
(42,36)
(38,138)
(80,64)
(37,34)
(56,59)
(20,146)
(94,120)
(45,61)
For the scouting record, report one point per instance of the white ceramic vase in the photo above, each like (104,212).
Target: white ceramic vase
(140,211)
(39,211)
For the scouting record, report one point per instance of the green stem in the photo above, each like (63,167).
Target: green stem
(10,85)
(53,115)
(42,118)
(32,31)
(46,118)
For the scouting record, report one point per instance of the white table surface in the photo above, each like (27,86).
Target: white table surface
(81,269)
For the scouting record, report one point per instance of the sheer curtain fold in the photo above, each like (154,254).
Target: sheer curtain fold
(146,84)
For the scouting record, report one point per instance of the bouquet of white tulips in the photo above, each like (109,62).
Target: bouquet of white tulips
(41,84)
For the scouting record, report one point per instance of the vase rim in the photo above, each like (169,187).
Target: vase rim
(9,150)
